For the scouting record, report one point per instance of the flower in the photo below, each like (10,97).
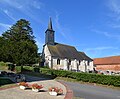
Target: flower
(56,89)
(36,86)
(23,84)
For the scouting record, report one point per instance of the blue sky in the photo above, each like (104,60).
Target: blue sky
(92,26)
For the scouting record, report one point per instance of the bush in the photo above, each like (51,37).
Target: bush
(28,68)
(18,69)
(11,67)
(36,69)
(2,64)
(85,77)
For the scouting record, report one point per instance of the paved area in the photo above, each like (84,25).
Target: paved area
(86,91)
(17,93)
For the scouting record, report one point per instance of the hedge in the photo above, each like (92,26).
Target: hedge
(85,77)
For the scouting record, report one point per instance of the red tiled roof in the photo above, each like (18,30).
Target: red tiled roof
(107,60)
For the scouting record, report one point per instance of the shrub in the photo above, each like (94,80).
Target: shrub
(85,77)
(36,69)
(18,69)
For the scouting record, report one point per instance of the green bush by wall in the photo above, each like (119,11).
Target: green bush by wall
(85,77)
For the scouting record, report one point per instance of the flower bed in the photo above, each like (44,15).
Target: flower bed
(23,85)
(55,91)
(36,87)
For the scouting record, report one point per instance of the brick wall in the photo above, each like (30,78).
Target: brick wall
(108,67)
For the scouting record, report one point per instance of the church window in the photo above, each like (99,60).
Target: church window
(58,61)
(69,62)
(88,62)
(79,62)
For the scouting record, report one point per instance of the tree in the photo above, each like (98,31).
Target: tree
(20,43)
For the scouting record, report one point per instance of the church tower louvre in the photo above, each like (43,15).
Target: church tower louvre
(49,34)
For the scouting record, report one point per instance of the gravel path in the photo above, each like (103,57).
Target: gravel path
(17,93)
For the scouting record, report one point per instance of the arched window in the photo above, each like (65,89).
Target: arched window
(58,61)
(79,62)
(69,62)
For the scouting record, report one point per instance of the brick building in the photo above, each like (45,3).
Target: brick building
(107,64)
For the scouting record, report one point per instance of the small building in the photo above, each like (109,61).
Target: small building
(61,56)
(111,64)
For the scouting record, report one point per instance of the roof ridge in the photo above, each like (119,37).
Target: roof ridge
(65,45)
(107,57)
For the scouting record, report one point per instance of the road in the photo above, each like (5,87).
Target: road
(86,91)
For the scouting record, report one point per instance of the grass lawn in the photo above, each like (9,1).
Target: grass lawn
(2,66)
(38,75)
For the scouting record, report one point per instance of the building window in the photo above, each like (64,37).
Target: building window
(58,61)
(79,62)
(69,62)
(88,63)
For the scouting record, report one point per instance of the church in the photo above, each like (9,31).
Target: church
(63,57)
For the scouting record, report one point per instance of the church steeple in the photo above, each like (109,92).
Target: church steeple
(49,34)
(50,24)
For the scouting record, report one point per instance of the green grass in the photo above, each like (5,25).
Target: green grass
(38,75)
(8,85)
(3,66)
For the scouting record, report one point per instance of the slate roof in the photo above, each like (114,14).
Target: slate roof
(84,56)
(107,60)
(66,51)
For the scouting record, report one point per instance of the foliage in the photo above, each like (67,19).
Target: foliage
(18,69)
(36,69)
(27,68)
(17,45)
(85,77)
(3,66)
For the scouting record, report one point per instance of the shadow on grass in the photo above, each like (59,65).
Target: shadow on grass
(4,81)
(36,76)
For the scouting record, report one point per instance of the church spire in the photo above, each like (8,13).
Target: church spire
(50,24)
(49,34)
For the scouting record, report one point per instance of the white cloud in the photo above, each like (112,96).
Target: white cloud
(62,30)
(108,34)
(9,14)
(102,51)
(26,7)
(101,48)
(114,7)
(37,5)
(58,26)
(4,27)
